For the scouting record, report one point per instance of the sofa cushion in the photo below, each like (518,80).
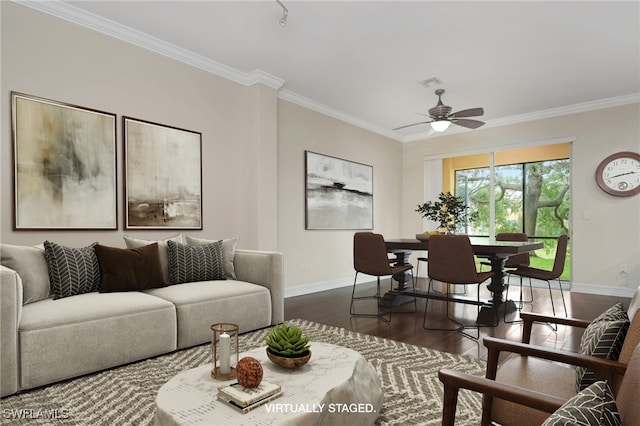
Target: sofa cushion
(200,304)
(594,406)
(228,253)
(31,265)
(89,332)
(195,263)
(71,270)
(133,243)
(602,339)
(129,269)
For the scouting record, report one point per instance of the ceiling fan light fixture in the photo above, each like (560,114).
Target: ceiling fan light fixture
(440,125)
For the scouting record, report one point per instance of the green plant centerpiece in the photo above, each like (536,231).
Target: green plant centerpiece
(449,211)
(287,346)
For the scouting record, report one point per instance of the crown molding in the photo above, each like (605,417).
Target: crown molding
(538,115)
(94,22)
(121,32)
(311,104)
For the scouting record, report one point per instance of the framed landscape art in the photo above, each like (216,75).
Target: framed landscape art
(339,193)
(64,165)
(163,176)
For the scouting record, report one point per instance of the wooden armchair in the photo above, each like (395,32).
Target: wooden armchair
(536,376)
(625,396)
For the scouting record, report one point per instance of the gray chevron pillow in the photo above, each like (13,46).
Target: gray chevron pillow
(195,263)
(71,270)
(594,406)
(602,339)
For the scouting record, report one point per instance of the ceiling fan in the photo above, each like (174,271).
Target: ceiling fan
(441,116)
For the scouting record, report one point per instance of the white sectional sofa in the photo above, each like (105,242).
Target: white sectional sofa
(44,340)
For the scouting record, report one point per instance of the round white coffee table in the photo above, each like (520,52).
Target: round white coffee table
(336,387)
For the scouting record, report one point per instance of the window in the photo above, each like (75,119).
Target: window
(528,197)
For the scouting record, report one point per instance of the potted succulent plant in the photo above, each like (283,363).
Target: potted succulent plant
(287,346)
(449,211)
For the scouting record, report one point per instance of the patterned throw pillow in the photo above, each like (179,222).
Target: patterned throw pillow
(195,263)
(71,270)
(602,339)
(228,253)
(593,406)
(616,312)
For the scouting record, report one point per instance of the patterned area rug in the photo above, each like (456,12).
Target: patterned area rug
(126,395)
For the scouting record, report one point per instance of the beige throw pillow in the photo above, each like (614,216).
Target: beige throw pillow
(31,265)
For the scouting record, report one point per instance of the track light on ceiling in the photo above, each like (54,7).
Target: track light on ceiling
(285,13)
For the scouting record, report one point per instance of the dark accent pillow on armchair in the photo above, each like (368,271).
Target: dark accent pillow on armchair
(129,269)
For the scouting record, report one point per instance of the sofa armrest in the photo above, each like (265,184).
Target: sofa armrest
(10,311)
(264,268)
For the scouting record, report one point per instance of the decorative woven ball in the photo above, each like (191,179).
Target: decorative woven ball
(249,372)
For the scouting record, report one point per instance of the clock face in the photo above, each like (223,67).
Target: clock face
(619,174)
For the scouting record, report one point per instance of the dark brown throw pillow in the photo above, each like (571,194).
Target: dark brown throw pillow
(129,269)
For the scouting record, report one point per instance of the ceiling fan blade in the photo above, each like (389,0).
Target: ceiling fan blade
(409,125)
(471,112)
(465,122)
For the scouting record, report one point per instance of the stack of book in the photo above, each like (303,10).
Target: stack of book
(246,399)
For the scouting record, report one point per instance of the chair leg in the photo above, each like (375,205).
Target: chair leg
(461,326)
(376,297)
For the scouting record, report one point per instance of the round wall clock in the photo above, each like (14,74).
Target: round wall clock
(619,174)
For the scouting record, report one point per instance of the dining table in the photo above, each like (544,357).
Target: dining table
(497,252)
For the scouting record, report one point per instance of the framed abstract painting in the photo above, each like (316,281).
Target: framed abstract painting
(64,165)
(339,193)
(163,176)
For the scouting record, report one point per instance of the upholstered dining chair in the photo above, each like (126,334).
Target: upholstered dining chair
(370,258)
(451,260)
(545,275)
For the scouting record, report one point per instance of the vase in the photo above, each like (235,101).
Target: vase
(289,362)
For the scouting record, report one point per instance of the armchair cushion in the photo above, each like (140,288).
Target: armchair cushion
(595,406)
(602,338)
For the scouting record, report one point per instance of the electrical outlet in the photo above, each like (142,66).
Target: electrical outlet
(623,269)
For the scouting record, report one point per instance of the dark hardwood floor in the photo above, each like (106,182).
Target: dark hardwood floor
(332,307)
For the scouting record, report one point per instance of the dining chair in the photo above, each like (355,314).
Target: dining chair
(451,261)
(545,275)
(370,258)
(425,260)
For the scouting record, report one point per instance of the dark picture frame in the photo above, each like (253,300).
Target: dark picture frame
(65,171)
(162,175)
(338,193)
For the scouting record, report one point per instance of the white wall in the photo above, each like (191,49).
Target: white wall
(51,58)
(605,229)
(322,259)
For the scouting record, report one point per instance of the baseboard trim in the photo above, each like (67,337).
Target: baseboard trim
(316,287)
(346,282)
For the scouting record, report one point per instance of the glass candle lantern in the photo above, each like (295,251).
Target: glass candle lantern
(224,348)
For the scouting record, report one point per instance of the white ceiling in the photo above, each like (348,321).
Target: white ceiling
(363,60)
